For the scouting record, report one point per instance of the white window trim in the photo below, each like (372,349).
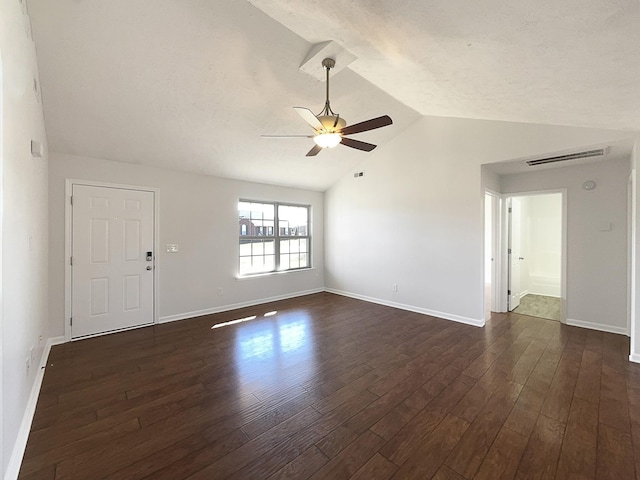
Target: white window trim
(276,237)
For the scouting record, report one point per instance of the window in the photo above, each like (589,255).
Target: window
(274,237)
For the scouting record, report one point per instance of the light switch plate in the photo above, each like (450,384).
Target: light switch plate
(172,248)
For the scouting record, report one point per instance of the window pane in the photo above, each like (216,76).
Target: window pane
(245,265)
(245,248)
(262,211)
(283,228)
(269,263)
(284,262)
(293,220)
(294,261)
(244,209)
(262,264)
(284,246)
(258,248)
(257,264)
(270,248)
(303,258)
(303,245)
(294,246)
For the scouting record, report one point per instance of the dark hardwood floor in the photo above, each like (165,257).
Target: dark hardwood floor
(330,388)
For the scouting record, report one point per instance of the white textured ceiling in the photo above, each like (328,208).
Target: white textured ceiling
(192,84)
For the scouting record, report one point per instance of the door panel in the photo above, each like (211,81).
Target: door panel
(514,253)
(111,233)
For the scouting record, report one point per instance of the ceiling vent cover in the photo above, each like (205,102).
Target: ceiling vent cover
(570,156)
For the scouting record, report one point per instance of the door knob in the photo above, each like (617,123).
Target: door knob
(149,267)
(520,258)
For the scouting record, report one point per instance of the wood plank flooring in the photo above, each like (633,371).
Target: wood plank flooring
(331,388)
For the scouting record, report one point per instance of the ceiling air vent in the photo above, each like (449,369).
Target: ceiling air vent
(570,156)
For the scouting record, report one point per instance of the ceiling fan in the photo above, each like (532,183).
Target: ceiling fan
(330,129)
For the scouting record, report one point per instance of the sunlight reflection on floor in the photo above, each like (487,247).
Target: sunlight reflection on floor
(267,350)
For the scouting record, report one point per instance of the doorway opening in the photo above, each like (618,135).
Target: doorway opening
(535,254)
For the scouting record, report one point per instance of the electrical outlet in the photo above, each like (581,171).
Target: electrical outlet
(32,355)
(40,340)
(28,363)
(394,287)
(220,291)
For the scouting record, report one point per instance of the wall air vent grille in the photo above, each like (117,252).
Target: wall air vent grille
(570,156)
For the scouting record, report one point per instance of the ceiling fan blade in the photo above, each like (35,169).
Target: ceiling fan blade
(367,125)
(357,144)
(287,136)
(314,151)
(308,116)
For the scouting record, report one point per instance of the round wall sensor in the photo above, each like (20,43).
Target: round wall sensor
(589,185)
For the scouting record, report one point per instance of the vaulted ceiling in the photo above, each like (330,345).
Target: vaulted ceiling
(193,84)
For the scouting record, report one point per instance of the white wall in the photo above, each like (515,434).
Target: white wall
(545,246)
(415,218)
(200,214)
(596,257)
(24,227)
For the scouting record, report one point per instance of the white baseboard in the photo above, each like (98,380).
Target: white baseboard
(597,326)
(234,306)
(446,316)
(13,469)
(634,357)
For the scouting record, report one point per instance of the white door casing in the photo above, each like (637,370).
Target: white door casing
(112,278)
(514,253)
(493,265)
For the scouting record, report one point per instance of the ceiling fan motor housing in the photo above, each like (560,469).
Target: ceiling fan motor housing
(332,123)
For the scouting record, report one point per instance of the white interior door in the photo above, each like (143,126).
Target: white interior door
(514,253)
(112,259)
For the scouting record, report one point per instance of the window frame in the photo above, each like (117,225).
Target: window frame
(277,237)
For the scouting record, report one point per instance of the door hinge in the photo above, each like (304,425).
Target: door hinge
(71,260)
(71,199)
(508,292)
(510,210)
(71,321)
(509,251)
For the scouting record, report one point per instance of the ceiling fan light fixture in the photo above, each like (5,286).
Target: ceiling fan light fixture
(327,140)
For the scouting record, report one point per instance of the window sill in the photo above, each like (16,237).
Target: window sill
(270,274)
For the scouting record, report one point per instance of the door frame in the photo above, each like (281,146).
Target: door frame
(510,253)
(504,228)
(496,242)
(68,235)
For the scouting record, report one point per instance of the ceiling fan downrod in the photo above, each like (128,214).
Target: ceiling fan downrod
(328,64)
